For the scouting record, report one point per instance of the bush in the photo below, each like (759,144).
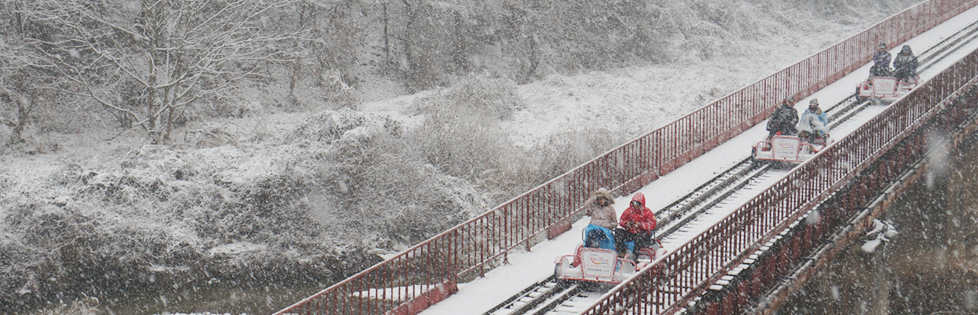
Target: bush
(461,135)
(567,150)
(152,224)
(372,186)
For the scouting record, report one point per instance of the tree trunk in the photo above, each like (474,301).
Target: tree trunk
(460,47)
(23,115)
(294,76)
(408,51)
(387,41)
(23,105)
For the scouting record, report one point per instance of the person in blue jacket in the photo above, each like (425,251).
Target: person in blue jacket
(811,127)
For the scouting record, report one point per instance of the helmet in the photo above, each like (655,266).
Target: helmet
(813,103)
(906,49)
(882,45)
(790,100)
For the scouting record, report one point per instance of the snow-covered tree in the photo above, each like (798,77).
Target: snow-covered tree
(27,77)
(149,60)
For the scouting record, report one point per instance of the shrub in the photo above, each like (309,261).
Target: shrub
(373,186)
(460,135)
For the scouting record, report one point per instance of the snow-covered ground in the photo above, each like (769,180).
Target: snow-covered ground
(527,268)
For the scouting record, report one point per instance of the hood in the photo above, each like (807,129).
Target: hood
(906,49)
(604,193)
(640,198)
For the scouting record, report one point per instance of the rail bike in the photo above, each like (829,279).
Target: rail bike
(790,149)
(603,266)
(884,89)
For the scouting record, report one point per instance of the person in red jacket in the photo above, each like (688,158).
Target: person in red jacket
(637,224)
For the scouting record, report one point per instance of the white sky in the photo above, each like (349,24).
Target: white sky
(527,268)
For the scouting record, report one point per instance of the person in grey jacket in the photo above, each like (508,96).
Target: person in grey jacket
(602,215)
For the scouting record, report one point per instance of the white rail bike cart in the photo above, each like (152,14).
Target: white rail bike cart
(598,265)
(786,149)
(885,89)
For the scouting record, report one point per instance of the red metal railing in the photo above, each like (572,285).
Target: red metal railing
(789,262)
(430,271)
(691,269)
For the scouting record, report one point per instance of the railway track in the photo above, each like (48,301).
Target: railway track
(689,214)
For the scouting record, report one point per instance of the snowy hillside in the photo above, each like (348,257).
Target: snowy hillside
(277,202)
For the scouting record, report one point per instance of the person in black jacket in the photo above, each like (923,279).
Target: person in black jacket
(905,64)
(784,119)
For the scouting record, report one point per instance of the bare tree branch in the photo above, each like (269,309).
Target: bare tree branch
(166,47)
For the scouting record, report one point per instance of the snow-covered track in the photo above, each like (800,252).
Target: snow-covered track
(533,298)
